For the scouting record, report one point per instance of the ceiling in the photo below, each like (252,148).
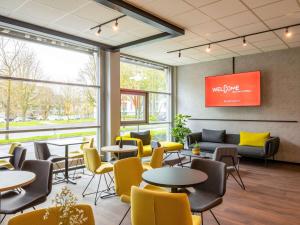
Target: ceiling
(204,21)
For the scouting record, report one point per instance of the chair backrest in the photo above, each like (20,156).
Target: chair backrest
(128,173)
(159,208)
(216,172)
(44,172)
(92,159)
(41,151)
(157,158)
(37,216)
(227,155)
(89,144)
(12,147)
(18,158)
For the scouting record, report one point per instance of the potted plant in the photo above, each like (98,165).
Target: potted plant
(196,149)
(180,129)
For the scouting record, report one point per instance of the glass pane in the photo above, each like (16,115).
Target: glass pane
(125,130)
(132,107)
(159,108)
(31,60)
(28,138)
(138,77)
(36,105)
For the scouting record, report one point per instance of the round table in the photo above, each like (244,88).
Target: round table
(10,180)
(116,149)
(174,178)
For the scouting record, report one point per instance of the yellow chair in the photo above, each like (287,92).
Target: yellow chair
(128,173)
(161,208)
(77,155)
(93,163)
(146,150)
(6,164)
(36,217)
(156,159)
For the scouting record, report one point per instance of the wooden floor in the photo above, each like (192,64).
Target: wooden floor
(272,196)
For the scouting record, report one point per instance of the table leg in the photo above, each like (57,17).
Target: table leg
(67,165)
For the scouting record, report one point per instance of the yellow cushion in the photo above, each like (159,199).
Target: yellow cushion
(76,154)
(104,168)
(171,146)
(253,139)
(196,220)
(147,150)
(5,164)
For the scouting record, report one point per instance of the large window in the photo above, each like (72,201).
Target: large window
(145,98)
(47,91)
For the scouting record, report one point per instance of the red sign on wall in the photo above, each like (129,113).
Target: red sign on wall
(241,89)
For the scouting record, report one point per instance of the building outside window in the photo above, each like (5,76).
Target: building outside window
(145,98)
(49,89)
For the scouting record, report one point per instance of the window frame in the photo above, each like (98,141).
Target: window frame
(98,87)
(146,107)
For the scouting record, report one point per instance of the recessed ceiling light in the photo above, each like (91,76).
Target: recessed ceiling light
(27,36)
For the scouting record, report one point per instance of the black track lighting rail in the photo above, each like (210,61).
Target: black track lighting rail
(243,37)
(107,22)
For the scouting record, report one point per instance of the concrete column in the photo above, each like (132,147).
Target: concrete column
(112,97)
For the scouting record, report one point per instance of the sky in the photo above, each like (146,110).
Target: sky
(58,64)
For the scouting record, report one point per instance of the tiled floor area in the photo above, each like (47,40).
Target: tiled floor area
(272,196)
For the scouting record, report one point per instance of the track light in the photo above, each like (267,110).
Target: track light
(179,54)
(98,31)
(27,36)
(244,42)
(287,32)
(116,25)
(208,48)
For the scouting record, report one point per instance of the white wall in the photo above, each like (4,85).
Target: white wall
(280,97)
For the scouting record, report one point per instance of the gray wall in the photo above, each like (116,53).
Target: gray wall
(280,97)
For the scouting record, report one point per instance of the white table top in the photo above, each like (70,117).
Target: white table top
(117,149)
(10,180)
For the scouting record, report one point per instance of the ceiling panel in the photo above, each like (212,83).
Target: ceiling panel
(204,21)
(223,8)
(239,19)
(277,9)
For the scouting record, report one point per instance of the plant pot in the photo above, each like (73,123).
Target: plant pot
(196,151)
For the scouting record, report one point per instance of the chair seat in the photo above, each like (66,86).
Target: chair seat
(201,201)
(75,154)
(196,220)
(5,164)
(104,168)
(56,158)
(147,150)
(13,202)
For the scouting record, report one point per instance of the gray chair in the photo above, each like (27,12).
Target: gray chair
(125,155)
(34,193)
(208,194)
(229,156)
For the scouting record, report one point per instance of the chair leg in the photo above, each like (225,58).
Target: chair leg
(33,207)
(214,217)
(2,218)
(125,215)
(98,190)
(202,218)
(87,186)
(238,173)
(240,184)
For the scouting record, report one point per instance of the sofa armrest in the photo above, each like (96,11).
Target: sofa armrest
(272,146)
(193,138)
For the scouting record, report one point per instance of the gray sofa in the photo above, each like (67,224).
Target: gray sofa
(269,150)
